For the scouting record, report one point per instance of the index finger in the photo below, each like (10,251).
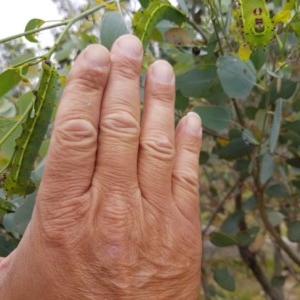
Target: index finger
(71,156)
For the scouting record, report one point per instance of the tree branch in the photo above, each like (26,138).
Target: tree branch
(250,258)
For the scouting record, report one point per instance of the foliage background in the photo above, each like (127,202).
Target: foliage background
(250,160)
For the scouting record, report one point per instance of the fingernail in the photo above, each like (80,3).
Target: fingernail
(194,124)
(162,72)
(95,56)
(130,46)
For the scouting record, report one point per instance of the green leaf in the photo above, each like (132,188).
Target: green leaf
(146,20)
(8,222)
(286,91)
(9,79)
(213,117)
(243,167)
(230,224)
(294,162)
(203,158)
(181,102)
(23,214)
(275,217)
(293,136)
(8,127)
(259,57)
(144,3)
(293,233)
(112,27)
(235,149)
(294,125)
(5,125)
(267,167)
(24,102)
(278,281)
(275,129)
(277,190)
(237,77)
(7,246)
(250,203)
(195,82)
(65,51)
(249,138)
(224,279)
(247,237)
(6,205)
(221,239)
(31,25)
(7,109)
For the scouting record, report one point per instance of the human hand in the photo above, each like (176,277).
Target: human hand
(117,212)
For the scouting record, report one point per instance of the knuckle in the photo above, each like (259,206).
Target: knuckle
(159,147)
(55,224)
(75,131)
(87,81)
(187,179)
(120,122)
(191,144)
(125,68)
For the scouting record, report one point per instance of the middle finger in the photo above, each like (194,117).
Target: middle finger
(120,117)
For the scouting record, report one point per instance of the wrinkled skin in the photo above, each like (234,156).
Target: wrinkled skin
(117,212)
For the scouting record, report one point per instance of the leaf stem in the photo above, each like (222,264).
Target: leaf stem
(69,24)
(220,206)
(13,37)
(238,112)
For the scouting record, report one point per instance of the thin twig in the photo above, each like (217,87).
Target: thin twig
(250,259)
(219,207)
(33,31)
(70,24)
(238,112)
(274,234)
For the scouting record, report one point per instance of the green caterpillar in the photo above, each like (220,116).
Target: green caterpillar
(34,129)
(258,27)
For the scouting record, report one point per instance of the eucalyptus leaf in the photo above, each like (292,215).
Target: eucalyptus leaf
(7,109)
(237,148)
(293,233)
(277,190)
(275,129)
(7,245)
(196,82)
(9,79)
(8,222)
(275,217)
(294,162)
(286,90)
(23,214)
(112,27)
(230,224)
(222,239)
(237,77)
(181,102)
(213,117)
(247,237)
(267,167)
(224,279)
(249,138)
(31,25)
